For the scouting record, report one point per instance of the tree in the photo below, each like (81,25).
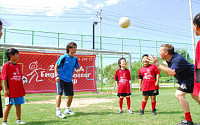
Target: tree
(184,53)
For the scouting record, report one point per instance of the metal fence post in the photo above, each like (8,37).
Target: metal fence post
(58,39)
(32,37)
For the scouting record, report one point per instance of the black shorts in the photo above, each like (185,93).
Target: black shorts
(150,93)
(67,87)
(123,94)
(186,88)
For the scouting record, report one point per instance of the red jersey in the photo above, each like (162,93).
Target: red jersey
(12,73)
(197,70)
(148,75)
(123,77)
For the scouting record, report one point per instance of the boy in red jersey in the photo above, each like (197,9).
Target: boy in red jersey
(148,83)
(13,86)
(122,78)
(196,28)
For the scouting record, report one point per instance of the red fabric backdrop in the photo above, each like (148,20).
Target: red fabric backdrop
(38,72)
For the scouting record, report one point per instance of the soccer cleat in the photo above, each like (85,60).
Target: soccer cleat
(20,122)
(59,114)
(4,123)
(141,112)
(120,111)
(185,122)
(154,112)
(68,112)
(130,112)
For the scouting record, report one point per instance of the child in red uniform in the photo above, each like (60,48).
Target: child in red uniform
(122,78)
(13,87)
(196,28)
(148,83)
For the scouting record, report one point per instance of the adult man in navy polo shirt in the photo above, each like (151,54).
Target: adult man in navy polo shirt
(64,70)
(183,71)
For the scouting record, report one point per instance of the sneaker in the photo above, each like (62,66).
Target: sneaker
(141,112)
(4,123)
(20,122)
(68,112)
(59,114)
(154,112)
(185,122)
(130,112)
(120,111)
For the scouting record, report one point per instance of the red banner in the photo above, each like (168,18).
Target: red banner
(39,77)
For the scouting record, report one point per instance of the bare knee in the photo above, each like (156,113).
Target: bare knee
(179,94)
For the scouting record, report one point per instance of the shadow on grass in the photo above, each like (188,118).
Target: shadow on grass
(171,112)
(89,113)
(47,122)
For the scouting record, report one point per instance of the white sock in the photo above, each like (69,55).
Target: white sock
(57,109)
(68,108)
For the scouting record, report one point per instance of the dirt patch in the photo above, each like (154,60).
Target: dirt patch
(82,102)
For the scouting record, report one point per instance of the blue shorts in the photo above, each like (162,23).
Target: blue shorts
(67,87)
(14,101)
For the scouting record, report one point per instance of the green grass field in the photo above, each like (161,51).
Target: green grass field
(105,113)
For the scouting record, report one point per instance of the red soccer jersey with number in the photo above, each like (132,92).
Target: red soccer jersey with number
(148,75)
(123,77)
(197,70)
(12,73)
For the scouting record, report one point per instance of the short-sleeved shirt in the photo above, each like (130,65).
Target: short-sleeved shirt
(123,77)
(66,65)
(197,70)
(12,73)
(184,69)
(148,76)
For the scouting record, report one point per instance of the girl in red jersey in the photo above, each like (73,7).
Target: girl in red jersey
(148,83)
(13,86)
(196,27)
(122,78)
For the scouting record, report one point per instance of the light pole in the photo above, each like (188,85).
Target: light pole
(94,24)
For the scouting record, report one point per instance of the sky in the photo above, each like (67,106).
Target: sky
(161,20)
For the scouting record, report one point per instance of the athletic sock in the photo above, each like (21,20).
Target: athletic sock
(120,102)
(57,109)
(67,108)
(128,102)
(143,104)
(153,105)
(188,116)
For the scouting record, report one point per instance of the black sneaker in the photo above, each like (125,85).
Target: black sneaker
(154,112)
(185,122)
(141,112)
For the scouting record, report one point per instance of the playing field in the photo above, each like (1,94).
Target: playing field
(101,109)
